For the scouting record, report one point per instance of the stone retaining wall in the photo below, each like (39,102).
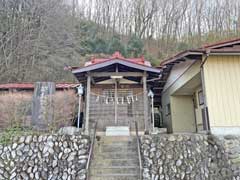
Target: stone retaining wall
(232,147)
(45,157)
(185,157)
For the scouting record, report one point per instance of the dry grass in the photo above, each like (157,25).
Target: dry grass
(16,113)
(15,109)
(64,106)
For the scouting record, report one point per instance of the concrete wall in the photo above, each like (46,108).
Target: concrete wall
(222,82)
(183,118)
(167,120)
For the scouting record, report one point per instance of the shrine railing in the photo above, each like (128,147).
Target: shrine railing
(139,151)
(91,151)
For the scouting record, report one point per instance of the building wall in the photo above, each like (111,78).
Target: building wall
(183,118)
(180,75)
(222,82)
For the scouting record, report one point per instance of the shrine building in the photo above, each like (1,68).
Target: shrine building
(118,92)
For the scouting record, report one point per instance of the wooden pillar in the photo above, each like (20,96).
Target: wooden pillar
(116,97)
(115,102)
(88,104)
(145,102)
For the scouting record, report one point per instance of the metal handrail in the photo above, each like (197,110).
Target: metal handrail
(91,151)
(139,151)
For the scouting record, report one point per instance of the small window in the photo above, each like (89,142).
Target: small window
(168,110)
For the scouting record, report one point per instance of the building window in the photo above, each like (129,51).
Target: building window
(200,97)
(168,110)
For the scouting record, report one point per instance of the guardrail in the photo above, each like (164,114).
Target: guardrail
(91,151)
(139,151)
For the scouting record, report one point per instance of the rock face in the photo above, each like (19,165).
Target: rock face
(186,157)
(45,157)
(69,130)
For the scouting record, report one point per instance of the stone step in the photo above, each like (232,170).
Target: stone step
(117,131)
(116,139)
(115,158)
(119,143)
(117,149)
(118,170)
(114,162)
(115,155)
(131,159)
(122,146)
(115,177)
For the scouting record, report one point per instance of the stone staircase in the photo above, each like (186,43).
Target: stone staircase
(115,158)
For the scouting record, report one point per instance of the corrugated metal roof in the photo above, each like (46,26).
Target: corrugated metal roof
(210,47)
(222,43)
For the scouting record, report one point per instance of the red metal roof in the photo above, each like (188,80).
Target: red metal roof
(31,86)
(117,55)
(17,86)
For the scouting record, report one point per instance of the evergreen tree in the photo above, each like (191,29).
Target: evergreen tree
(115,44)
(135,47)
(98,45)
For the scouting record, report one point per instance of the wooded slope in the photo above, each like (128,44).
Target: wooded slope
(38,37)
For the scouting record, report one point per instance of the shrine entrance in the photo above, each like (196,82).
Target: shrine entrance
(118,106)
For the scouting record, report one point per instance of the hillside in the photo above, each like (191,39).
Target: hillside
(37,38)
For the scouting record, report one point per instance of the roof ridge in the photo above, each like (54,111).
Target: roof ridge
(222,42)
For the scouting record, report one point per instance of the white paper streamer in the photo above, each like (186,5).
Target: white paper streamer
(120,100)
(98,98)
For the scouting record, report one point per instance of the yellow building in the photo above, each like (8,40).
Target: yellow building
(202,89)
